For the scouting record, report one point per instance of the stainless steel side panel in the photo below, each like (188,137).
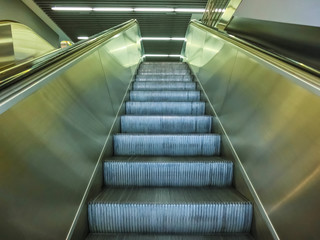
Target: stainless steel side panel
(271,118)
(6,45)
(52,139)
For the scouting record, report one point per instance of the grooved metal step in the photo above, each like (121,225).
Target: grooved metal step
(167,145)
(165,108)
(185,77)
(161,96)
(165,124)
(158,71)
(169,210)
(133,236)
(164,85)
(168,171)
(164,65)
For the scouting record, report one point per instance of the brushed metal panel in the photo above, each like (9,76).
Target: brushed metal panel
(270,117)
(20,43)
(6,45)
(52,140)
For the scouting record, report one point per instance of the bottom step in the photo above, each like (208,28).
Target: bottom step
(169,210)
(237,236)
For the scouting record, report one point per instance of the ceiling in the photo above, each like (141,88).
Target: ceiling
(152,24)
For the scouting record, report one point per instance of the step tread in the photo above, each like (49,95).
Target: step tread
(132,236)
(165,108)
(164,172)
(166,124)
(164,96)
(164,85)
(167,144)
(164,159)
(169,196)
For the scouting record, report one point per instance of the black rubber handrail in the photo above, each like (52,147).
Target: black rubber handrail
(15,74)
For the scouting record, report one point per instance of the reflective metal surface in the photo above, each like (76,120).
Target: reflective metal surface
(228,14)
(18,43)
(52,137)
(6,45)
(269,113)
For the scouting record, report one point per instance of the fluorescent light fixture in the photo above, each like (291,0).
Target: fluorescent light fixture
(178,39)
(219,10)
(71,8)
(124,9)
(156,38)
(153,9)
(163,38)
(190,10)
(155,55)
(162,55)
(83,37)
(113,9)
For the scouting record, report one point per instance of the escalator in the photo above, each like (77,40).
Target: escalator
(166,176)
(98,143)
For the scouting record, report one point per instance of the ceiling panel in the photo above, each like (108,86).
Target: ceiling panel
(76,24)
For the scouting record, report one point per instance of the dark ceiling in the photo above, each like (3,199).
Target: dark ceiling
(152,24)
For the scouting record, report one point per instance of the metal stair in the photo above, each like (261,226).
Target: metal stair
(166,180)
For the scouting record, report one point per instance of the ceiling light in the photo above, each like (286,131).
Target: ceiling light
(178,39)
(83,37)
(112,9)
(162,55)
(190,10)
(124,9)
(164,38)
(156,38)
(71,8)
(153,9)
(155,55)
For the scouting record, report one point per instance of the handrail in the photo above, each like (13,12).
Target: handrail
(256,50)
(17,73)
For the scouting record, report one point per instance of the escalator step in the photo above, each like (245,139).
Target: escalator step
(164,85)
(165,108)
(167,145)
(164,65)
(165,124)
(169,210)
(183,77)
(161,96)
(132,236)
(166,171)
(157,71)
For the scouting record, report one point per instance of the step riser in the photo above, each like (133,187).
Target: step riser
(133,236)
(183,78)
(160,96)
(167,218)
(168,174)
(166,124)
(165,108)
(167,145)
(163,72)
(163,67)
(189,86)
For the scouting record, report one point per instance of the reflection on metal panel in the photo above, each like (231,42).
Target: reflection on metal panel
(20,43)
(6,45)
(52,139)
(271,118)
(228,14)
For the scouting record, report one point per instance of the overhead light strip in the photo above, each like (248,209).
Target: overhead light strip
(83,38)
(163,38)
(162,55)
(126,9)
